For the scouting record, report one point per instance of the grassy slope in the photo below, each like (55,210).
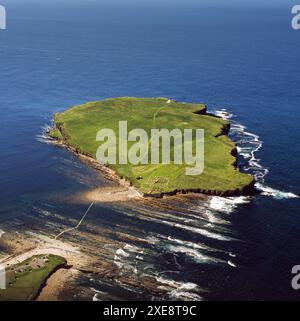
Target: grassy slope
(80,125)
(25,285)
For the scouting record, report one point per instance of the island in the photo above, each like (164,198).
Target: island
(77,128)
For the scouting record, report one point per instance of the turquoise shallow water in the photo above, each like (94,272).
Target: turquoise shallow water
(243,60)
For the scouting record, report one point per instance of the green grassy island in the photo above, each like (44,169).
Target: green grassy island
(24,280)
(77,128)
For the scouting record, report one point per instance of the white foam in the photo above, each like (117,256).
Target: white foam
(231,263)
(120,258)
(248,144)
(127,258)
(152,240)
(180,290)
(1,233)
(238,127)
(95,297)
(194,245)
(213,219)
(122,253)
(98,293)
(131,248)
(206,214)
(200,231)
(182,295)
(277,194)
(227,204)
(168,282)
(194,254)
(44,137)
(223,114)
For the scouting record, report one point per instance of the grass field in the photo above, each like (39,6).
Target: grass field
(79,125)
(24,280)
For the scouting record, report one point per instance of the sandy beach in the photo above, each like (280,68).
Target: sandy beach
(108,195)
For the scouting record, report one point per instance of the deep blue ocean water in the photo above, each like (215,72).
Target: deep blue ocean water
(245,60)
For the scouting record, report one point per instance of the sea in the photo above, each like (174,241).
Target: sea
(239,58)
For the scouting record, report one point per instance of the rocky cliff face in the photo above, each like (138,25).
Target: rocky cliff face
(245,190)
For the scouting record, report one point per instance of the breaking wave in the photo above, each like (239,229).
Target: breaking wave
(194,254)
(277,194)
(43,137)
(248,144)
(227,204)
(180,290)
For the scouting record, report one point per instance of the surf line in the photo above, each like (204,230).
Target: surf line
(78,225)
